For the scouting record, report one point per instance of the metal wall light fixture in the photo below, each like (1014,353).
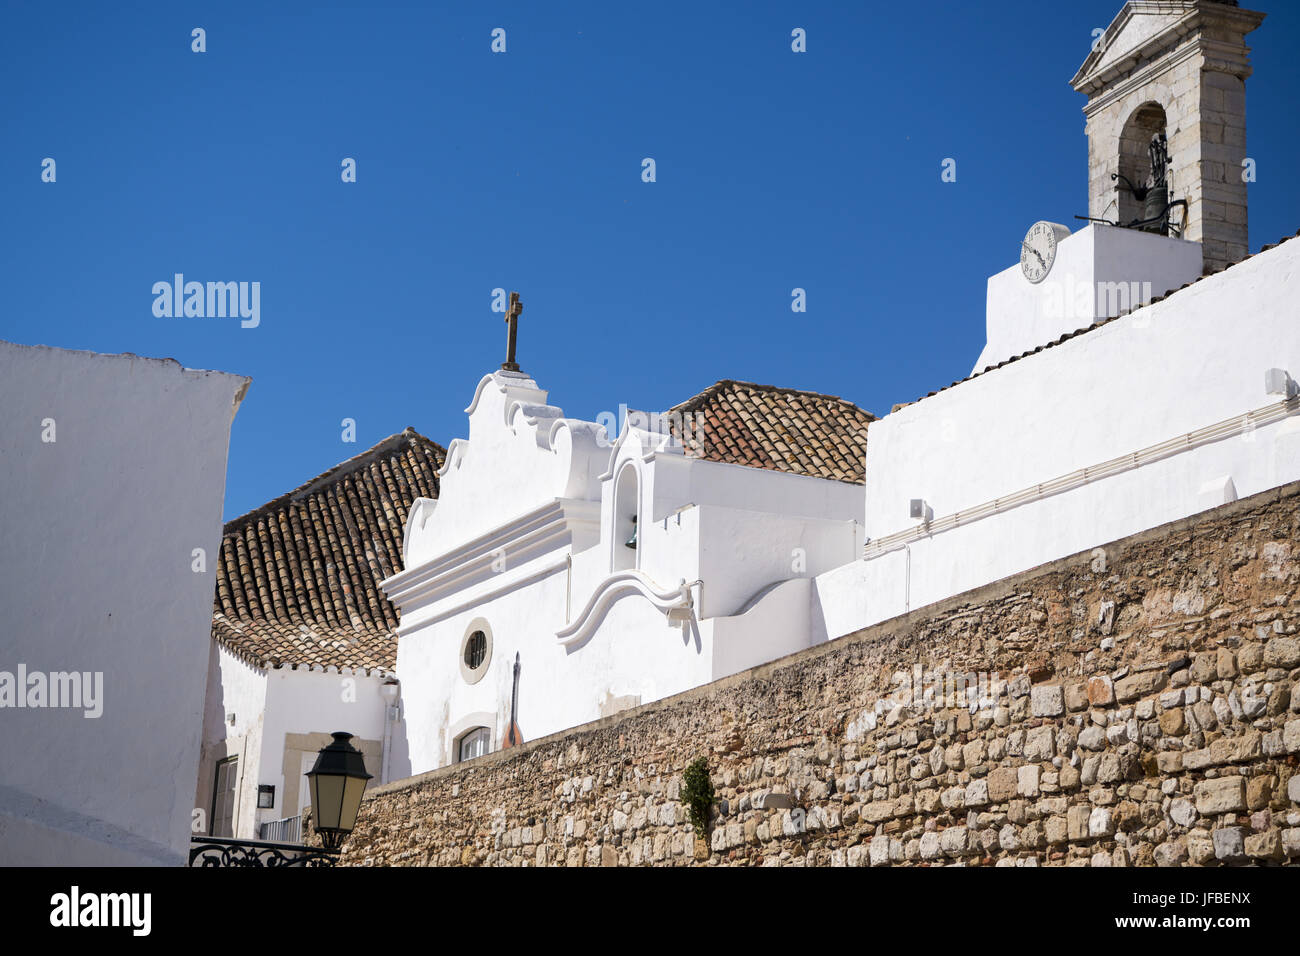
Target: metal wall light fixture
(1278,382)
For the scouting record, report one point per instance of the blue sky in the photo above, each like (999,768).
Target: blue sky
(522,170)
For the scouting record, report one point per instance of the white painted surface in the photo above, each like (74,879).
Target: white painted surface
(234,707)
(1193,360)
(95,575)
(528,534)
(268,705)
(1100,271)
(301,701)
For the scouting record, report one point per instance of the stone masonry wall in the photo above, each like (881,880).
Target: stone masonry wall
(1145,711)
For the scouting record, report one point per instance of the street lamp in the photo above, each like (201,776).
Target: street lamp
(337,782)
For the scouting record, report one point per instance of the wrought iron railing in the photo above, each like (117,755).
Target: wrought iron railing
(221,851)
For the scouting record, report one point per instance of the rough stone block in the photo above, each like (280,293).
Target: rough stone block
(1171,853)
(1291,736)
(1092,737)
(1100,822)
(956,841)
(930,846)
(1040,743)
(1027,783)
(1236,749)
(1002,784)
(1101,692)
(1200,848)
(1077,822)
(1226,665)
(1047,700)
(1169,762)
(1183,812)
(1265,846)
(1259,790)
(879,853)
(1221,795)
(1229,844)
(1173,722)
(1076,696)
(1141,684)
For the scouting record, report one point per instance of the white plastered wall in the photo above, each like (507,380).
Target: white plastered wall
(97,574)
(1169,370)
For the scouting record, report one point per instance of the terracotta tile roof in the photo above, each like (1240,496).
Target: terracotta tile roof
(781,429)
(1074,335)
(298,578)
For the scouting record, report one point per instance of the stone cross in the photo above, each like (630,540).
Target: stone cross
(512,321)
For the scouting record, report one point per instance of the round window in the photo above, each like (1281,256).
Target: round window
(475,651)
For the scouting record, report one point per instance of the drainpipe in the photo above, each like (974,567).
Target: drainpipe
(907,572)
(907,581)
(388,690)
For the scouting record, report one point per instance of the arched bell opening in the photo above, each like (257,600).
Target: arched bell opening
(627,500)
(1142,183)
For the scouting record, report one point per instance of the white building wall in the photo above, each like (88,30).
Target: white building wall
(96,555)
(257,714)
(1193,360)
(235,705)
(305,702)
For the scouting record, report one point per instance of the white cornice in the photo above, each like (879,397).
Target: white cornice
(521,539)
(477,599)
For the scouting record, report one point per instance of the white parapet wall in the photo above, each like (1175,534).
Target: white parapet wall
(112,474)
(1099,272)
(1147,419)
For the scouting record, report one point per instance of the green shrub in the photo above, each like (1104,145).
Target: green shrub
(698,794)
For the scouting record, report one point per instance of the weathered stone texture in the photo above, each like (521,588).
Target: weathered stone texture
(1176,745)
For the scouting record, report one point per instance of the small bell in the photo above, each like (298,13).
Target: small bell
(631,542)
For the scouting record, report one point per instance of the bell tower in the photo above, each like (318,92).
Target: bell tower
(1166,87)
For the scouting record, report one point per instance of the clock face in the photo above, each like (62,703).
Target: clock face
(1038,250)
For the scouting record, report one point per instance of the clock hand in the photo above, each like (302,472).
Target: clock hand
(1035,252)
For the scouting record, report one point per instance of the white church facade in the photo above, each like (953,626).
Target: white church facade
(613,569)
